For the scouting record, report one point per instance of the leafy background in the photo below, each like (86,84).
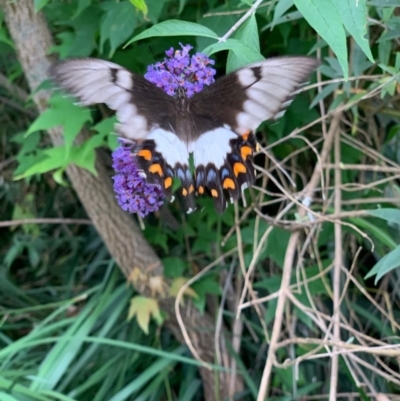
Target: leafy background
(302,281)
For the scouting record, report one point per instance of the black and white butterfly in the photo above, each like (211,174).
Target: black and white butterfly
(216,125)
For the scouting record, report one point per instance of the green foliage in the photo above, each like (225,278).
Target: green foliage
(64,331)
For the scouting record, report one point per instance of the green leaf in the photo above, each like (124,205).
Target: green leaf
(384,3)
(144,308)
(248,35)
(53,158)
(326,91)
(173,267)
(177,284)
(182,4)
(280,9)
(84,155)
(62,112)
(117,25)
(245,54)
(7,397)
(386,264)
(82,5)
(323,16)
(388,214)
(354,17)
(377,232)
(292,16)
(140,5)
(174,28)
(82,41)
(39,4)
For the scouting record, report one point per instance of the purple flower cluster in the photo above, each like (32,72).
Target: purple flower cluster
(133,193)
(179,69)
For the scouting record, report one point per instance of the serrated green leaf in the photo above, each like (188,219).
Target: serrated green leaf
(140,5)
(84,155)
(174,28)
(117,25)
(52,159)
(82,6)
(83,40)
(62,112)
(323,16)
(248,35)
(177,284)
(144,308)
(389,262)
(388,214)
(245,54)
(173,267)
(354,17)
(58,177)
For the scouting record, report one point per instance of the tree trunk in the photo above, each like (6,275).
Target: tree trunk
(120,234)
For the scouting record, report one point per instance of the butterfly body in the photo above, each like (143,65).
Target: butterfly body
(216,125)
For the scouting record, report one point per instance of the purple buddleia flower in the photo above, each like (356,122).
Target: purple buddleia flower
(181,69)
(178,69)
(133,193)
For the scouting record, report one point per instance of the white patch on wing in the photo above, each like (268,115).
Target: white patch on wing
(135,128)
(256,109)
(126,112)
(119,99)
(212,147)
(280,78)
(170,146)
(124,79)
(246,76)
(247,121)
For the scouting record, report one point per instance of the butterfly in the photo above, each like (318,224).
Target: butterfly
(215,125)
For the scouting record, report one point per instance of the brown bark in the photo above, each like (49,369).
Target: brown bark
(120,234)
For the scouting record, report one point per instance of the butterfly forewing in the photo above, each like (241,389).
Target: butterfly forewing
(216,125)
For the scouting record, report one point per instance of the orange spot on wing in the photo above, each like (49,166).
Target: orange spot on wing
(201,190)
(145,153)
(156,169)
(245,151)
(191,188)
(239,168)
(214,193)
(184,191)
(167,182)
(229,183)
(246,135)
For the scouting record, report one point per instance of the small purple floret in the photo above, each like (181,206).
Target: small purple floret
(133,193)
(178,69)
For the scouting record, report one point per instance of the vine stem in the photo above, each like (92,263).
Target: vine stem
(289,261)
(338,265)
(249,13)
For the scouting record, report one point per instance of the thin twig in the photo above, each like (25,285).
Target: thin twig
(248,14)
(11,223)
(336,273)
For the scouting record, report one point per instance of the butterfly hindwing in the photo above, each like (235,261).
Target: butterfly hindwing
(225,115)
